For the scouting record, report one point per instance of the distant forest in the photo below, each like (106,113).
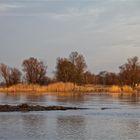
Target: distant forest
(72,69)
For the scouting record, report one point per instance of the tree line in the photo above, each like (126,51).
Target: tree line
(72,69)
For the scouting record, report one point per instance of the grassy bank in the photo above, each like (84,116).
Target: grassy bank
(69,87)
(56,87)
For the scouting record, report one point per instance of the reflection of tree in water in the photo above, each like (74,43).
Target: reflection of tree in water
(73,98)
(18,98)
(34,126)
(9,99)
(131,100)
(71,127)
(35,99)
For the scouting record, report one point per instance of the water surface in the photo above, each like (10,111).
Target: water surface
(120,121)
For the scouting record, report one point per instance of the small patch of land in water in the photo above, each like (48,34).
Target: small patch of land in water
(27,108)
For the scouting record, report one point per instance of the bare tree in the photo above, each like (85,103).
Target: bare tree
(11,76)
(73,56)
(35,70)
(64,70)
(89,78)
(71,69)
(78,60)
(15,76)
(130,72)
(5,73)
(79,63)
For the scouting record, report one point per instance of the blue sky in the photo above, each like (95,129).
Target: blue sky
(106,32)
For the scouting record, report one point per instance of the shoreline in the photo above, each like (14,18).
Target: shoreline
(69,87)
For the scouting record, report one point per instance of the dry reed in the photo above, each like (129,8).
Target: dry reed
(114,89)
(127,89)
(67,87)
(56,87)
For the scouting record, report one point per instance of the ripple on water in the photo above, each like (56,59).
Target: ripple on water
(119,120)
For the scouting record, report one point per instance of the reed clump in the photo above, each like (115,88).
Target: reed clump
(22,88)
(55,87)
(127,89)
(114,89)
(60,87)
(68,87)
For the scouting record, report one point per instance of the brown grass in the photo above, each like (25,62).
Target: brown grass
(127,89)
(56,87)
(68,87)
(114,89)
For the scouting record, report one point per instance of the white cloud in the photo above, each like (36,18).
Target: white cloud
(6,7)
(76,12)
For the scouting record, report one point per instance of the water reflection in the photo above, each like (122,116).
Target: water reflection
(34,125)
(5,98)
(133,129)
(65,125)
(132,100)
(121,121)
(68,99)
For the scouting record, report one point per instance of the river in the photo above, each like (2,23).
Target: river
(119,120)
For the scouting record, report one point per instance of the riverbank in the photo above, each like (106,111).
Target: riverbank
(68,87)
(55,87)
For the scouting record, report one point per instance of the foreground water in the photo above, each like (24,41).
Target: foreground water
(119,121)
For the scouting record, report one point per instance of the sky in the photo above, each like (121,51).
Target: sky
(106,32)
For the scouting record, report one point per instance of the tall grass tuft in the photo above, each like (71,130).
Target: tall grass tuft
(61,87)
(115,89)
(127,89)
